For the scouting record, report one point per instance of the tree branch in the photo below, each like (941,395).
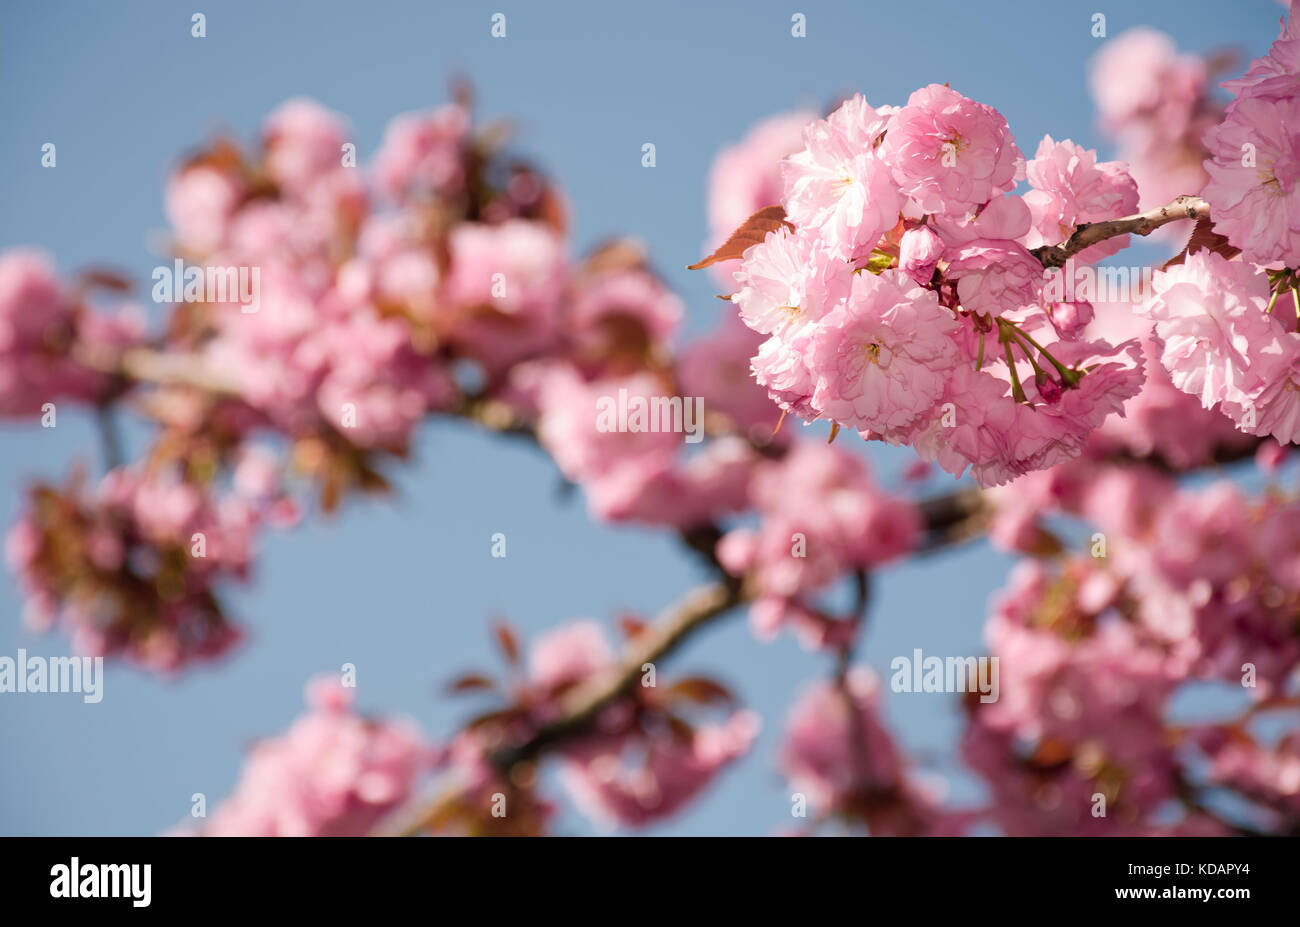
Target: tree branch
(581,705)
(1143,223)
(109,439)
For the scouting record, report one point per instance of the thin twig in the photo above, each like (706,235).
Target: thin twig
(1142,223)
(109,439)
(584,702)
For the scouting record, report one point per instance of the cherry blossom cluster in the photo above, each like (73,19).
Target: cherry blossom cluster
(55,342)
(1088,724)
(840,757)
(1230,328)
(334,773)
(899,292)
(134,566)
(822,518)
(642,759)
(900,297)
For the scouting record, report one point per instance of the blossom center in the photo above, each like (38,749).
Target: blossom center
(1268,179)
(871,350)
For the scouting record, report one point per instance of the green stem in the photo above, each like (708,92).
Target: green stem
(1017,391)
(1070,376)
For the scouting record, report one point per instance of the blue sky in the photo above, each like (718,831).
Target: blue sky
(403,589)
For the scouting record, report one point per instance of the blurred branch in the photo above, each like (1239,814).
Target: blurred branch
(1142,223)
(951,518)
(159,367)
(109,438)
(581,705)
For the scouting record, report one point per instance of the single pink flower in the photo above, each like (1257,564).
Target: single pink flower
(949,153)
(919,253)
(995,277)
(838,186)
(882,359)
(1210,315)
(789,280)
(1254,188)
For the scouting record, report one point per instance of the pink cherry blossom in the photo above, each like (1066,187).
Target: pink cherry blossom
(504,289)
(802,545)
(994,277)
(47,338)
(1158,104)
(1276,76)
(620,310)
(839,755)
(1275,409)
(304,145)
(1254,168)
(424,153)
(838,185)
(1209,312)
(789,280)
(614,466)
(377,387)
(668,771)
(332,774)
(1070,187)
(1271,771)
(717,367)
(883,357)
(1140,73)
(949,153)
(568,654)
(200,203)
(919,252)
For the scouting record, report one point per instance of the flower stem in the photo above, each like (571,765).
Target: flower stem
(1069,376)
(1017,391)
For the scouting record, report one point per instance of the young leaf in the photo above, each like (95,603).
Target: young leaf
(752,231)
(507,641)
(702,691)
(471,682)
(1203,236)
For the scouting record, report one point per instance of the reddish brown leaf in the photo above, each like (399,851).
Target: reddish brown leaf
(702,691)
(471,682)
(752,231)
(500,716)
(1203,236)
(680,729)
(630,626)
(507,641)
(373,481)
(106,279)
